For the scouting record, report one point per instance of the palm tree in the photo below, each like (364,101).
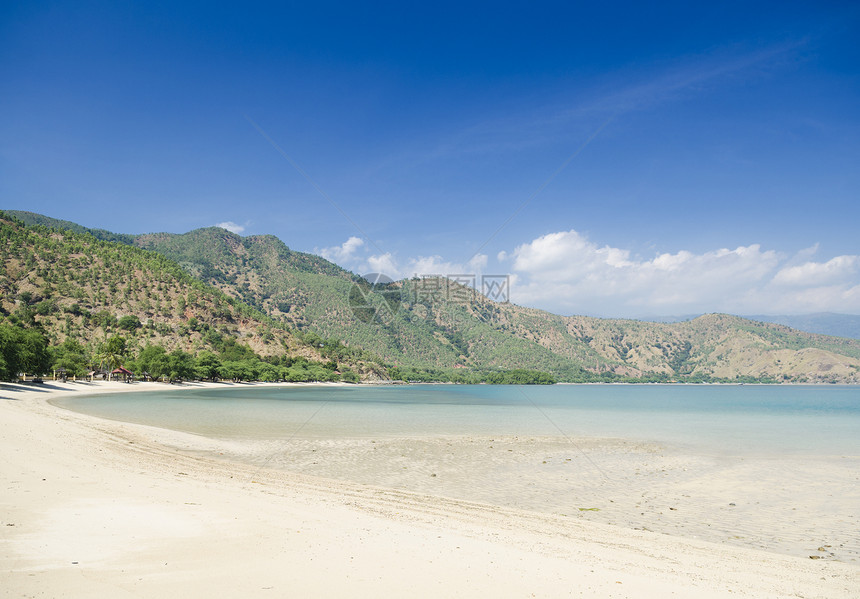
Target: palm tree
(112,353)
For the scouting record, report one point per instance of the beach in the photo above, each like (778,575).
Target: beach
(93,507)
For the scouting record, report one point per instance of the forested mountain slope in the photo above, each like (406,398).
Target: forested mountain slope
(71,286)
(459,329)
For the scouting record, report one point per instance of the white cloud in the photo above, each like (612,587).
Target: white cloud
(343,253)
(231,226)
(566,272)
(436,265)
(384,264)
(840,269)
(354,255)
(423,266)
(478,262)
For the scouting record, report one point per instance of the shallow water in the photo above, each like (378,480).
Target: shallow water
(769,467)
(743,419)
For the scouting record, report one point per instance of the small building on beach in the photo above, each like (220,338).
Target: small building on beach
(120,373)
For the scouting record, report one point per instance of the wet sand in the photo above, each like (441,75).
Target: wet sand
(791,505)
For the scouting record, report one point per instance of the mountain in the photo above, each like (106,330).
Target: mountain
(75,287)
(455,329)
(306,292)
(32,218)
(824,323)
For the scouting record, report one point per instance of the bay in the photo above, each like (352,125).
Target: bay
(746,419)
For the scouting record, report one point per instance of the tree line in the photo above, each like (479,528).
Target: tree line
(26,350)
(465,376)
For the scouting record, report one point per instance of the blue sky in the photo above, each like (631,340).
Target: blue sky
(624,159)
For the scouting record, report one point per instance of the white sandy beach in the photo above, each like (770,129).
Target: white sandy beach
(96,508)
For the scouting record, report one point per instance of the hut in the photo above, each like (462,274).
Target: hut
(121,372)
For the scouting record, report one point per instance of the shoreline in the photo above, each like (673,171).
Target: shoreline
(97,507)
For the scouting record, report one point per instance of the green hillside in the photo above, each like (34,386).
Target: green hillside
(436,338)
(84,294)
(310,293)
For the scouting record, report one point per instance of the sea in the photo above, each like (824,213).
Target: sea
(766,420)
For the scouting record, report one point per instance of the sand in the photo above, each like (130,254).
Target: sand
(792,505)
(96,508)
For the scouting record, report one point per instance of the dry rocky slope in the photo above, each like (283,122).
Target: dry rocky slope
(306,292)
(72,286)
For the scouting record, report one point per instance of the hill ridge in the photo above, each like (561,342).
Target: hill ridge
(427,339)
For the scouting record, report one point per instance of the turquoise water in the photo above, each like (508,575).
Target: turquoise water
(817,420)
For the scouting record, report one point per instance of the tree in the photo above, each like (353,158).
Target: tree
(235,370)
(208,365)
(269,372)
(129,323)
(153,359)
(181,364)
(72,356)
(104,319)
(349,376)
(35,356)
(23,350)
(112,353)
